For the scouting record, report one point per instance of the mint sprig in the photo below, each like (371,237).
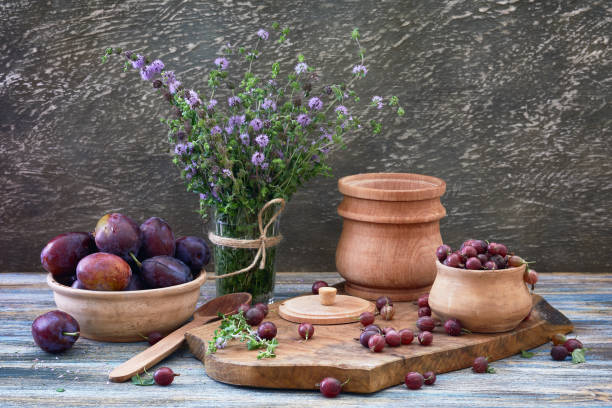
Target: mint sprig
(578,356)
(235,327)
(527,354)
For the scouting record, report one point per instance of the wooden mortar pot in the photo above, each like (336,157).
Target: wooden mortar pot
(485,301)
(127,316)
(390,233)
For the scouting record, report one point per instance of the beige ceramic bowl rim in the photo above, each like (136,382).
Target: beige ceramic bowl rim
(356,186)
(440,265)
(129,295)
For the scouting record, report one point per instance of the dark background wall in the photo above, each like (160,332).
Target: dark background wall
(507,101)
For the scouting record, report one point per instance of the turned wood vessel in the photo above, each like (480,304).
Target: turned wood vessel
(390,233)
(485,301)
(127,316)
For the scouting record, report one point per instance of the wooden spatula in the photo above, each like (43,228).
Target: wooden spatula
(208,311)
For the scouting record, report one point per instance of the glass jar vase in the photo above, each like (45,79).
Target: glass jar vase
(258,282)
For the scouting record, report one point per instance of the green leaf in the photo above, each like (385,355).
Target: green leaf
(143,380)
(578,356)
(527,354)
(355,34)
(300,58)
(60,389)
(400,111)
(490,370)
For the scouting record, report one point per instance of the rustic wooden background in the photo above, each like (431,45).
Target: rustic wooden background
(508,101)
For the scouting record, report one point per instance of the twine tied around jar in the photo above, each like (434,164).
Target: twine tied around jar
(260,243)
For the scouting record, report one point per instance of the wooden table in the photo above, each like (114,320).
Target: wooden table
(31,377)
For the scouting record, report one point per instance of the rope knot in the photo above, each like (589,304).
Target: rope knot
(260,243)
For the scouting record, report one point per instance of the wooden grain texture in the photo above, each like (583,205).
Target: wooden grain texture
(390,232)
(334,351)
(484,301)
(308,309)
(29,377)
(507,101)
(117,316)
(171,342)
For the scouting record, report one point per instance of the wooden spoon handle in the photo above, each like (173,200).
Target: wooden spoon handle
(155,353)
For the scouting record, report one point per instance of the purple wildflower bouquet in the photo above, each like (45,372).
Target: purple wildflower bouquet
(255,138)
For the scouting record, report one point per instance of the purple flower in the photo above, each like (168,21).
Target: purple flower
(221,63)
(262,140)
(193,100)
(263,34)
(244,138)
(203,196)
(269,104)
(301,67)
(170,80)
(183,148)
(360,69)
(215,130)
(229,129)
(139,63)
(272,82)
(303,120)
(211,104)
(341,109)
(227,172)
(234,100)
(156,66)
(377,100)
(236,120)
(265,166)
(257,158)
(256,124)
(148,73)
(326,135)
(315,103)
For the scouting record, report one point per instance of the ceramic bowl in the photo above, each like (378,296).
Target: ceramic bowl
(484,301)
(128,316)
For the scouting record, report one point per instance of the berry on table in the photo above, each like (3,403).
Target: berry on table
(414,380)
(387,312)
(481,365)
(430,377)
(317,285)
(366,318)
(376,343)
(164,376)
(383,301)
(559,353)
(425,323)
(572,344)
(424,311)
(423,300)
(330,387)
(406,336)
(267,330)
(306,330)
(425,338)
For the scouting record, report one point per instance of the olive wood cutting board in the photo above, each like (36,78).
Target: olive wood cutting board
(334,352)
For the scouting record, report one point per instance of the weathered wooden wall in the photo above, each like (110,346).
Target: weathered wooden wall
(507,101)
